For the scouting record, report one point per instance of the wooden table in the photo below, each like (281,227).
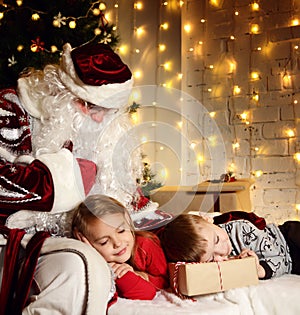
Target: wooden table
(225,197)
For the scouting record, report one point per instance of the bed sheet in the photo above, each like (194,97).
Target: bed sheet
(276,296)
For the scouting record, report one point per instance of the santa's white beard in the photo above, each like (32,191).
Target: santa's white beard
(109,144)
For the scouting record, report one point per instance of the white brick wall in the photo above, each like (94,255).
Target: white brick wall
(274,194)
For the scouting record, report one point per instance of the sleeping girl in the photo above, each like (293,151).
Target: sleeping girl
(136,257)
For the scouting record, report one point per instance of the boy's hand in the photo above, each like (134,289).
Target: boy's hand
(120,269)
(246,253)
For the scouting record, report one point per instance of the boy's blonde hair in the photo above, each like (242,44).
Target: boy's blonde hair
(182,239)
(97,206)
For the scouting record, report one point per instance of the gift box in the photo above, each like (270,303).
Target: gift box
(192,279)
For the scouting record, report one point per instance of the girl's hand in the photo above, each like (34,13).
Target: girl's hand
(246,253)
(120,269)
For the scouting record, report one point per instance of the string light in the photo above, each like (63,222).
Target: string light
(290,133)
(102,6)
(187,28)
(254,28)
(164,26)
(258,173)
(138,5)
(297,156)
(254,75)
(35,17)
(236,90)
(72,24)
(162,47)
(255,6)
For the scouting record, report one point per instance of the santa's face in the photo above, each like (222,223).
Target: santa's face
(94,111)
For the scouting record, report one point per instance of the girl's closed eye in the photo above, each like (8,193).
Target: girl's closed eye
(217,239)
(103,242)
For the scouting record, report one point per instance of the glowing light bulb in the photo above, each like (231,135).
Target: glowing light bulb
(19,2)
(236,90)
(72,24)
(254,28)
(97,31)
(162,47)
(1,15)
(254,75)
(187,28)
(255,6)
(258,173)
(255,97)
(244,115)
(20,47)
(202,20)
(236,13)
(290,133)
(123,49)
(295,22)
(164,26)
(193,145)
(138,5)
(96,11)
(35,17)
(167,65)
(200,158)
(179,76)
(181,3)
(235,145)
(139,31)
(212,114)
(295,101)
(297,156)
(102,6)
(53,49)
(137,74)
(180,124)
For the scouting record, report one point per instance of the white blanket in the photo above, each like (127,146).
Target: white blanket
(270,297)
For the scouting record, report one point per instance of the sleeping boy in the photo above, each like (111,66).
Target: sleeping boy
(192,238)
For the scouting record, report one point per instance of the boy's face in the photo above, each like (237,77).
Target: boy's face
(112,238)
(218,243)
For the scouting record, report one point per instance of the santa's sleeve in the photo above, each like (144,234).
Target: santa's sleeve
(55,182)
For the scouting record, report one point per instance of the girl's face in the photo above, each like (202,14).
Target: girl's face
(218,243)
(112,238)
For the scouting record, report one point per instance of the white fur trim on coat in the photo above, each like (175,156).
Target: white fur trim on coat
(68,185)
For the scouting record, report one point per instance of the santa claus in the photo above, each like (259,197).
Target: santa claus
(60,134)
(61,125)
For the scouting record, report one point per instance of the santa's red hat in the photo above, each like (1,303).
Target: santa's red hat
(96,74)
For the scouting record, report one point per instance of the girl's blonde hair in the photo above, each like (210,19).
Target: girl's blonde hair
(182,239)
(97,206)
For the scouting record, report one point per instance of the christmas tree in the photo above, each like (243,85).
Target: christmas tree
(33,32)
(148,181)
